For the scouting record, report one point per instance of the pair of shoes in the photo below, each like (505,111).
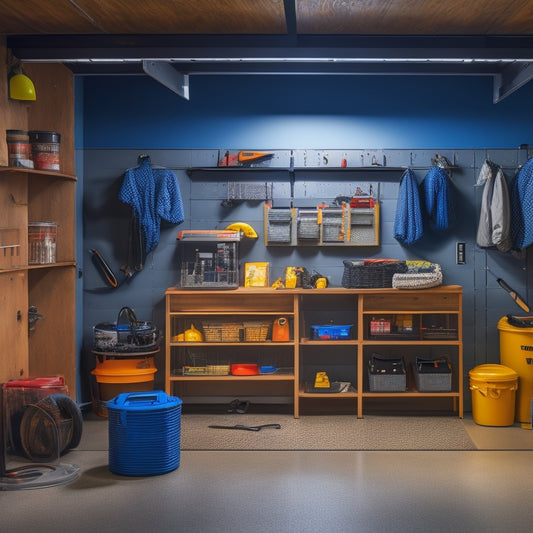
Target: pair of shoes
(236,406)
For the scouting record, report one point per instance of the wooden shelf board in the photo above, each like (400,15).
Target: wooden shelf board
(36,172)
(258,377)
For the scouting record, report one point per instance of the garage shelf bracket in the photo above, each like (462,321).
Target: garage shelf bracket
(511,78)
(167,75)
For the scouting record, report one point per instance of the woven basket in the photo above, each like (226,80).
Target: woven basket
(222,332)
(361,274)
(418,277)
(256,331)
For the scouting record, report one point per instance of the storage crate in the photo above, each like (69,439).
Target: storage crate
(209,259)
(386,374)
(256,331)
(433,375)
(371,273)
(331,332)
(390,327)
(217,370)
(222,331)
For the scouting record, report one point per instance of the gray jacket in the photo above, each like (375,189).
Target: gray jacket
(494,229)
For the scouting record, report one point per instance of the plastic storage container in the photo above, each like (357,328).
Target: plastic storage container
(516,352)
(433,375)
(19,149)
(42,243)
(386,374)
(19,393)
(493,394)
(331,332)
(144,433)
(117,376)
(45,149)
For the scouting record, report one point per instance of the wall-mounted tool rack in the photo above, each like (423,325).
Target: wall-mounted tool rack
(323,226)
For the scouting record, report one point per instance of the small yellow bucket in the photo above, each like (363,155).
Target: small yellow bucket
(493,394)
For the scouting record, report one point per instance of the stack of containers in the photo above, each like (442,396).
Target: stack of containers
(34,149)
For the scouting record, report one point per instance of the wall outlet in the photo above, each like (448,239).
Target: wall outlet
(460,253)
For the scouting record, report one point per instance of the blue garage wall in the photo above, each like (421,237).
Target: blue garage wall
(408,118)
(304,112)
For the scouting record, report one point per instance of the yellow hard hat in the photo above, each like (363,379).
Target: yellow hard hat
(21,88)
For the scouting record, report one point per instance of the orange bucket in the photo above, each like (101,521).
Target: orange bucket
(115,376)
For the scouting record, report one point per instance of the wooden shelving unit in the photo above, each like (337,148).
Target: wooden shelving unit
(37,196)
(303,356)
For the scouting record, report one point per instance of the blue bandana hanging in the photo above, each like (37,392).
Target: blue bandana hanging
(437,199)
(408,226)
(522,207)
(153,194)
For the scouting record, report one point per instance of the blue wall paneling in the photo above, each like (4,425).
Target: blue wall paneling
(106,220)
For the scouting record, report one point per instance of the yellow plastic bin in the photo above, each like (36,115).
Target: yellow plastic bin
(516,352)
(493,394)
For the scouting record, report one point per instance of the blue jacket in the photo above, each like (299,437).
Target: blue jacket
(153,194)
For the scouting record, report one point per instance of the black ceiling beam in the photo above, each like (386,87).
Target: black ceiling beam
(65,47)
(190,54)
(290,17)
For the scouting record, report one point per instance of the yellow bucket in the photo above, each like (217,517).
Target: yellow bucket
(516,352)
(493,395)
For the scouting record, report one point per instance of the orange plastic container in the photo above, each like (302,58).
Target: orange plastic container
(115,376)
(125,370)
(244,369)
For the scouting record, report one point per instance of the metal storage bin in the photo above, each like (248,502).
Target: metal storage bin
(209,259)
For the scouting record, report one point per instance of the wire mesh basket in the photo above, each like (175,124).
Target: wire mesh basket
(371,274)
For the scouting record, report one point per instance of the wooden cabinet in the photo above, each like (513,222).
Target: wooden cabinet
(47,348)
(410,324)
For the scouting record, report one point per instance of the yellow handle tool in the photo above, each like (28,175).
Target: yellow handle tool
(247,156)
(514,295)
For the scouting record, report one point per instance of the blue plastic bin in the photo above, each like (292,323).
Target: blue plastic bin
(331,332)
(144,433)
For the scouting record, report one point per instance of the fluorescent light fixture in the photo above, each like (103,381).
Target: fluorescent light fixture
(288,60)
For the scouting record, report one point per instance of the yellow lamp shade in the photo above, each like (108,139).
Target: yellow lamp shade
(21,88)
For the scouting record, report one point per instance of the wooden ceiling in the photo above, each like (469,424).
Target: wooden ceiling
(362,17)
(460,37)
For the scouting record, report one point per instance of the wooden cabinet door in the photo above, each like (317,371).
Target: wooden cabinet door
(13,325)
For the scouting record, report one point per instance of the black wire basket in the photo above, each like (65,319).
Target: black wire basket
(370,274)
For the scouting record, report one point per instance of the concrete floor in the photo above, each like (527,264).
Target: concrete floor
(473,491)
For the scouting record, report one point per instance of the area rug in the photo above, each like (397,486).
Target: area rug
(324,433)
